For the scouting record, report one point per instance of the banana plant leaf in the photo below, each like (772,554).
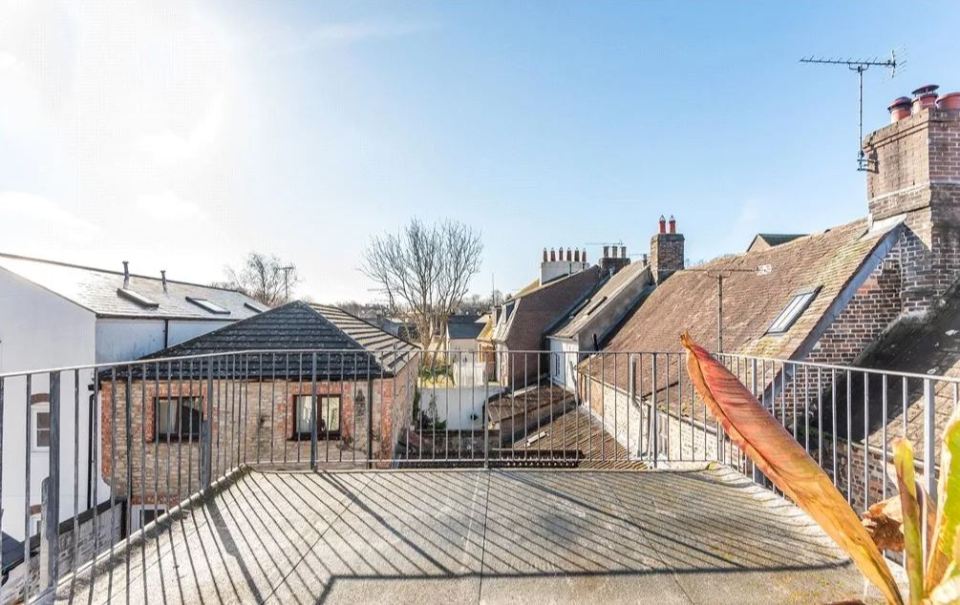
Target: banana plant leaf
(785,462)
(948,504)
(910,510)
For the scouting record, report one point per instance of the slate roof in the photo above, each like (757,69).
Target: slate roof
(97,291)
(578,435)
(600,300)
(355,348)
(465,327)
(917,346)
(687,300)
(769,240)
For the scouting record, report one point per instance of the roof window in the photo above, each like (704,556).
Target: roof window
(253,307)
(136,298)
(206,305)
(597,305)
(797,305)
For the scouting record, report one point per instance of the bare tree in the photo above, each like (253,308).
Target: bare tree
(424,271)
(264,277)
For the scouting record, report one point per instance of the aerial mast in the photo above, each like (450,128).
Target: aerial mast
(860,66)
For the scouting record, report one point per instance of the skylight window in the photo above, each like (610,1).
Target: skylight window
(253,307)
(597,305)
(137,298)
(206,305)
(797,305)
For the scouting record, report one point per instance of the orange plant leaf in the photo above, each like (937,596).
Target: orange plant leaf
(784,461)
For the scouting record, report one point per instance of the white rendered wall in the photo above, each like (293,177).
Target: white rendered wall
(39,329)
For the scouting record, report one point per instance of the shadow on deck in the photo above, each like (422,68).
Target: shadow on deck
(465,536)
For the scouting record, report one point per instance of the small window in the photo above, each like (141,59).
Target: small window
(40,408)
(179,418)
(137,298)
(328,416)
(797,305)
(253,307)
(206,305)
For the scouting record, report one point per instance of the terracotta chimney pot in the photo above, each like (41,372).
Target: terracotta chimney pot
(663,224)
(673,224)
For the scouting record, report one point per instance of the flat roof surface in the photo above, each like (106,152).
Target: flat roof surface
(480,536)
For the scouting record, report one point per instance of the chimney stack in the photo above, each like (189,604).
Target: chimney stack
(614,259)
(163,278)
(126,274)
(666,251)
(915,174)
(562,262)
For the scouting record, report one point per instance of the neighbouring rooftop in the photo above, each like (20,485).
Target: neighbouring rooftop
(501,536)
(114,294)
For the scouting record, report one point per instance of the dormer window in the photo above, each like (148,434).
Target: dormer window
(797,305)
(206,305)
(137,298)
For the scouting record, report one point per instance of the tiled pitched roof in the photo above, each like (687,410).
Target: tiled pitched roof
(551,300)
(97,290)
(751,299)
(604,296)
(769,240)
(576,434)
(687,301)
(300,326)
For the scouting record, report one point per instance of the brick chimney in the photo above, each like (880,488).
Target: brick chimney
(666,251)
(611,263)
(914,173)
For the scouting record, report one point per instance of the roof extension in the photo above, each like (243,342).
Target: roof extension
(762,241)
(103,292)
(465,327)
(598,303)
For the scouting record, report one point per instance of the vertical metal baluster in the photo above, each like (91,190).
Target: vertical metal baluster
(753,385)
(655,413)
(929,441)
(314,402)
(806,409)
(639,375)
(273,405)
(343,361)
(298,397)
(849,489)
(260,375)
(2,407)
(51,513)
(113,458)
(883,448)
(75,556)
(179,428)
(128,451)
(485,414)
(95,480)
(833,399)
(820,416)
(866,440)
(27,533)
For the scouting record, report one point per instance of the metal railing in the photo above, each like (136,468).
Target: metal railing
(111,448)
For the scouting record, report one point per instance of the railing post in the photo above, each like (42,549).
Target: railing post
(753,381)
(929,445)
(206,433)
(313,411)
(50,503)
(631,397)
(655,412)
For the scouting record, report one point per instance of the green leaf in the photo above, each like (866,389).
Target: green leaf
(910,509)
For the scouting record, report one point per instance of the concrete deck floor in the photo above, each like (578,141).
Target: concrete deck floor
(473,536)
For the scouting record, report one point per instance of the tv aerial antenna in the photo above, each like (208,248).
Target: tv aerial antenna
(860,66)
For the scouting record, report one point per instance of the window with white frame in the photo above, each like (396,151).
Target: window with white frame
(328,417)
(40,408)
(179,418)
(795,307)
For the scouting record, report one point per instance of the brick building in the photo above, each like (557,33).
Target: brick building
(262,387)
(879,291)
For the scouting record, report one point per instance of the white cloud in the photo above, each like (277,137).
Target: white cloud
(25,215)
(168,207)
(349,33)
(168,147)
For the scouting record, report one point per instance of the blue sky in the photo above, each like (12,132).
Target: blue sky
(181,135)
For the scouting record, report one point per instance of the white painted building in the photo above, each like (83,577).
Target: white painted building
(55,314)
(586,327)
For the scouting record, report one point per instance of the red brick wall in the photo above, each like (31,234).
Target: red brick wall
(873,308)
(251,422)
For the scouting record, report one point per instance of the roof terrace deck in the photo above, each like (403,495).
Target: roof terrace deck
(490,536)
